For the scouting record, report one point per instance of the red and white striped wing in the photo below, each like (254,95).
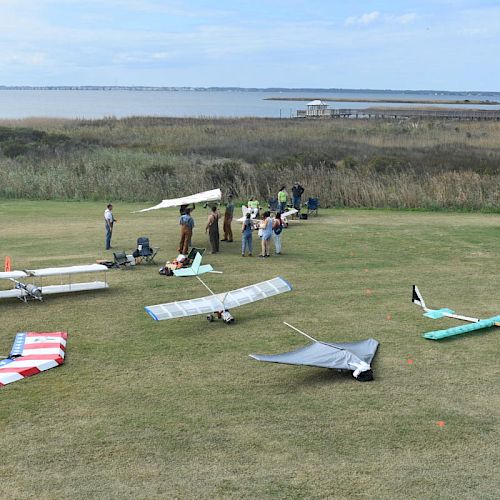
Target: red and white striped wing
(33,353)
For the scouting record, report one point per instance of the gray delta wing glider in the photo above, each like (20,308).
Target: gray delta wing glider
(475,323)
(352,356)
(212,195)
(219,303)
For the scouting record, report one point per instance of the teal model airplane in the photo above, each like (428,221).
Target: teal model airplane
(195,269)
(475,323)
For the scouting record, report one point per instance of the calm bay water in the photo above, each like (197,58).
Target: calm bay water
(121,103)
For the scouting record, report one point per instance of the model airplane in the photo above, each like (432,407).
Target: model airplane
(475,323)
(28,283)
(32,353)
(352,356)
(195,269)
(213,195)
(254,211)
(219,304)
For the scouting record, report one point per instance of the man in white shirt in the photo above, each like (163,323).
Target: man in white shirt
(108,224)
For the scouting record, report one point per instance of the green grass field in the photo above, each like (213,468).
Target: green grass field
(176,409)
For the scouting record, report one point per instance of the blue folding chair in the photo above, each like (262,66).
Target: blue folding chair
(144,252)
(273,204)
(312,206)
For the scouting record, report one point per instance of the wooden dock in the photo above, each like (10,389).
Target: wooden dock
(403,113)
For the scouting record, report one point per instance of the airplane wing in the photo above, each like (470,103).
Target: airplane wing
(58,271)
(10,275)
(33,353)
(219,302)
(354,356)
(212,195)
(289,212)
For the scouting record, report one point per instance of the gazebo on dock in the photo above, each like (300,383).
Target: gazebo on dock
(316,108)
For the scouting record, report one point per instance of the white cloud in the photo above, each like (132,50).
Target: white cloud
(405,18)
(364,19)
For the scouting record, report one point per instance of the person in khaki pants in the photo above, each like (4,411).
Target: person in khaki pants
(228,218)
(187,223)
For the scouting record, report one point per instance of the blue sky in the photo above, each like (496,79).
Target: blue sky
(439,44)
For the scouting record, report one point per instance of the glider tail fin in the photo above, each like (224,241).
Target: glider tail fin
(417,298)
(195,266)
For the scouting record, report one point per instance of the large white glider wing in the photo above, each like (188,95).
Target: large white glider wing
(219,302)
(213,195)
(58,271)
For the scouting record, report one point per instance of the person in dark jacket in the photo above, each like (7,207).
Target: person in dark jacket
(297,192)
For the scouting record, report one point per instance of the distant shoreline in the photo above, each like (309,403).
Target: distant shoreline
(157,88)
(392,101)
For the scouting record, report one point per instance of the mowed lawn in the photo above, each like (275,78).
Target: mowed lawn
(145,409)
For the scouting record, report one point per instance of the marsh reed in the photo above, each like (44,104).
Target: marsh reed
(346,163)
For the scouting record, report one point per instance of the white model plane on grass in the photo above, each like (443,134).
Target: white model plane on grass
(216,304)
(28,284)
(475,323)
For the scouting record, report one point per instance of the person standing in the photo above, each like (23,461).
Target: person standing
(228,218)
(282,199)
(277,230)
(109,221)
(266,226)
(186,223)
(297,192)
(246,235)
(213,229)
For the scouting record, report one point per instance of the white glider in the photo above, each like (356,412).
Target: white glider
(219,303)
(213,195)
(28,283)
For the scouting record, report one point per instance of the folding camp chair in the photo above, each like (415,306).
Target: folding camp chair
(144,252)
(192,254)
(121,259)
(273,204)
(312,206)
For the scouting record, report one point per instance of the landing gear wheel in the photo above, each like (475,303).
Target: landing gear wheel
(210,318)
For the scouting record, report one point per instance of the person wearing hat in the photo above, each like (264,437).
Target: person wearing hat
(186,222)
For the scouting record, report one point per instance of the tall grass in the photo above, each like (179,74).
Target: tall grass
(349,163)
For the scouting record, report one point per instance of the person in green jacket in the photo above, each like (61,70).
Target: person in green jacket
(282,199)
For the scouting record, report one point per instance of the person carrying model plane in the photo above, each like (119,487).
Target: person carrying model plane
(187,224)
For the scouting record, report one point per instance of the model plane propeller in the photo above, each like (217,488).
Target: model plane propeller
(218,304)
(25,290)
(352,356)
(475,323)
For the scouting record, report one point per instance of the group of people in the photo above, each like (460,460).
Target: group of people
(269,228)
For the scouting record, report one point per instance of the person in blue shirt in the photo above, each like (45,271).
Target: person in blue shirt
(187,224)
(266,225)
(246,236)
